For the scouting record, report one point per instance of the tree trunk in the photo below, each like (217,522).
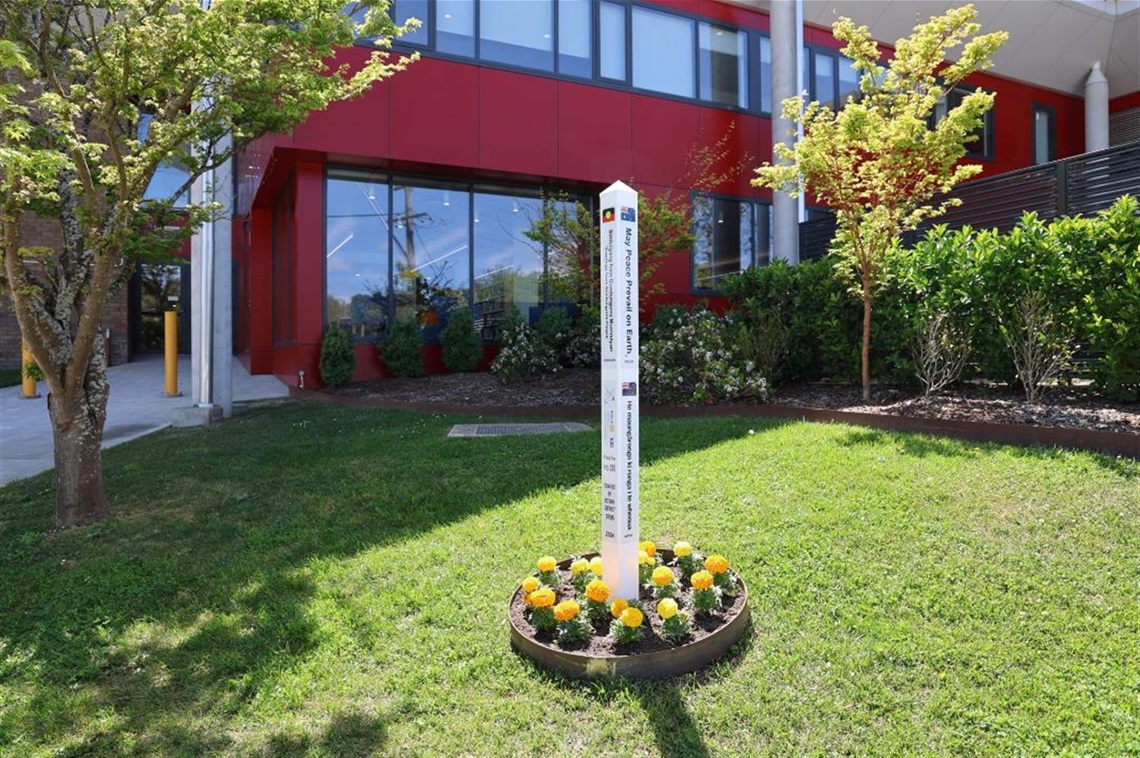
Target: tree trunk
(866,374)
(77,420)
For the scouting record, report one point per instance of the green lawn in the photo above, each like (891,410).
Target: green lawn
(318,580)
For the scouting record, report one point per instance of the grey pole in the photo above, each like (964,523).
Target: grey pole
(787,26)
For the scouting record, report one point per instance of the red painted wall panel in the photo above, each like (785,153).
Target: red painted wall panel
(518,122)
(595,130)
(435,113)
(1124,102)
(665,133)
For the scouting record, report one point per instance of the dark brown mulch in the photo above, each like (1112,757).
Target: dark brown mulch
(1063,407)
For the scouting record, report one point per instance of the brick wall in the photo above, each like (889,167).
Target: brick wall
(44,232)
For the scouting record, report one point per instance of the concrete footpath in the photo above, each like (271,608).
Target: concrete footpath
(137,406)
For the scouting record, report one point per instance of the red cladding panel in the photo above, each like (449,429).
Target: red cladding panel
(595,133)
(435,114)
(518,123)
(665,135)
(744,141)
(310,273)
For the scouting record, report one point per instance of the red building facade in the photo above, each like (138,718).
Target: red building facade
(415,197)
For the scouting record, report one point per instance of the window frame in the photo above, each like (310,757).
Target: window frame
(1050,132)
(757,238)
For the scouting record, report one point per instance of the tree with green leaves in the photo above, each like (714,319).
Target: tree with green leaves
(77,80)
(879,162)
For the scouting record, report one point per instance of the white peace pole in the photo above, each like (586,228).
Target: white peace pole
(620,448)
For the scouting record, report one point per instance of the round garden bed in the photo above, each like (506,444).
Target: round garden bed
(653,656)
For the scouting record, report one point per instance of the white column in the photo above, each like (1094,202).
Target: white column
(1096,110)
(620,408)
(786,26)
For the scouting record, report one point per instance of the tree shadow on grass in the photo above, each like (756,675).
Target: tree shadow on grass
(347,734)
(152,628)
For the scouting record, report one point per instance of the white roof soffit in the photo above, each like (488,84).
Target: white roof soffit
(1052,43)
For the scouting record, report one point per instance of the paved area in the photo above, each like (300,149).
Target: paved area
(498,430)
(137,407)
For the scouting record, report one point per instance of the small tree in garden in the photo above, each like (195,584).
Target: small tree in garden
(400,350)
(78,79)
(879,162)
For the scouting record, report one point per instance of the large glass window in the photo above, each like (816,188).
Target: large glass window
(765,75)
(574,38)
(663,52)
(848,79)
(417,9)
(1043,150)
(509,268)
(825,78)
(430,252)
(455,27)
(518,33)
(356,256)
(731,236)
(168,178)
(724,65)
(611,58)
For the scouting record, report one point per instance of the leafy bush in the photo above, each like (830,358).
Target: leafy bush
(461,346)
(689,357)
(522,353)
(821,318)
(1112,315)
(554,329)
(400,350)
(338,357)
(584,348)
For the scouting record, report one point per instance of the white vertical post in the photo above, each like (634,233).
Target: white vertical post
(787,70)
(620,407)
(1096,110)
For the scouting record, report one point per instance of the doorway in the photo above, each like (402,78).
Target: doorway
(156,288)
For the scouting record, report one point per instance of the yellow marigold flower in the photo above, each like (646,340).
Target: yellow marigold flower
(543,598)
(618,607)
(681,549)
(598,591)
(530,584)
(596,565)
(526,598)
(578,566)
(701,580)
(632,617)
(667,608)
(566,610)
(716,564)
(662,575)
(546,563)
(649,548)
(643,558)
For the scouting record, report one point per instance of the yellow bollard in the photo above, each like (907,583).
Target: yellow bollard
(171,344)
(27,381)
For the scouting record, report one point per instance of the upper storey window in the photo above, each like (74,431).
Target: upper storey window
(724,65)
(663,52)
(520,34)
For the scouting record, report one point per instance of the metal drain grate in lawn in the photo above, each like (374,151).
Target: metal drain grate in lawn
(498,430)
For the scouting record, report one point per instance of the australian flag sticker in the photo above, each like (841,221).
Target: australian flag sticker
(629,389)
(629,214)
(608,215)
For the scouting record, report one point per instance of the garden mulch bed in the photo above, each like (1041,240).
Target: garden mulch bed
(1061,407)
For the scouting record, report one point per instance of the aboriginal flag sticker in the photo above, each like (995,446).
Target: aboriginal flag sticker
(608,216)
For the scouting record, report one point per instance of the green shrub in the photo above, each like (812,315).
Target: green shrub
(400,350)
(689,357)
(584,348)
(1112,314)
(338,357)
(462,349)
(522,353)
(554,329)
